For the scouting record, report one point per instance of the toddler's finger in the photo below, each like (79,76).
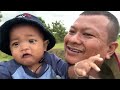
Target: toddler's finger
(95,67)
(95,58)
(80,72)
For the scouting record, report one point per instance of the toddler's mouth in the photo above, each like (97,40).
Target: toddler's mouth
(26,55)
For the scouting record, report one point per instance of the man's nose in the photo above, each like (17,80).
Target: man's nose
(76,39)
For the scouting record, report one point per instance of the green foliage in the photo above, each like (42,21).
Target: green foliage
(43,22)
(57,29)
(4,57)
(0,16)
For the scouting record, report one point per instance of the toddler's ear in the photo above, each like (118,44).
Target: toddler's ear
(46,42)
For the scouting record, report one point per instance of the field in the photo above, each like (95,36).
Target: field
(59,46)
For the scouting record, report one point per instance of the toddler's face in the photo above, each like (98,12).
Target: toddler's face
(27,45)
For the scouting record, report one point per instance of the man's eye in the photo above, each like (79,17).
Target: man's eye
(32,41)
(87,34)
(71,32)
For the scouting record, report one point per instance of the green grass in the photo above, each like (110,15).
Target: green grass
(4,57)
(59,46)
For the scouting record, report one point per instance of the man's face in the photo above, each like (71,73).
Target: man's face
(86,37)
(27,45)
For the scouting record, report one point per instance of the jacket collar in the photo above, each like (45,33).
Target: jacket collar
(114,65)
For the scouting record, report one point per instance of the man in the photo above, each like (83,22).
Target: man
(94,32)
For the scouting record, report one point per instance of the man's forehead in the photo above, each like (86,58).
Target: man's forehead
(92,19)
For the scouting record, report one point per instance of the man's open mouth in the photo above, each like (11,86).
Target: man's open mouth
(74,49)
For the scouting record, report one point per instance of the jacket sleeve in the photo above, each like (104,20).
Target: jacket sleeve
(4,73)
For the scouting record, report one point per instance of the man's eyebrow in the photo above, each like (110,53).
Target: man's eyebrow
(73,27)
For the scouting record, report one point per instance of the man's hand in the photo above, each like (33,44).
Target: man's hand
(82,68)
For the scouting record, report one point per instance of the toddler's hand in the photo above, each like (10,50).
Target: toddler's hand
(82,68)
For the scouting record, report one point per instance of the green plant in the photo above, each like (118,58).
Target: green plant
(4,57)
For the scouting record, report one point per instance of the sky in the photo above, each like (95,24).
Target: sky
(66,17)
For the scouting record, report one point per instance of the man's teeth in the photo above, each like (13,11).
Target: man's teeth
(74,50)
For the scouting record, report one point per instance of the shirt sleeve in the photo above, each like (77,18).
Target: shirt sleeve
(59,66)
(4,73)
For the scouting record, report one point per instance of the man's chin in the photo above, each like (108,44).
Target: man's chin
(71,60)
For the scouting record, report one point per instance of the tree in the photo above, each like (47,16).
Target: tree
(46,26)
(0,16)
(58,31)
(43,22)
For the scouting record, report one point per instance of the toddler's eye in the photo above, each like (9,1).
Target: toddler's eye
(32,41)
(16,44)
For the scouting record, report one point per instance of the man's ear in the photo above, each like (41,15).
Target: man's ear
(46,42)
(111,49)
